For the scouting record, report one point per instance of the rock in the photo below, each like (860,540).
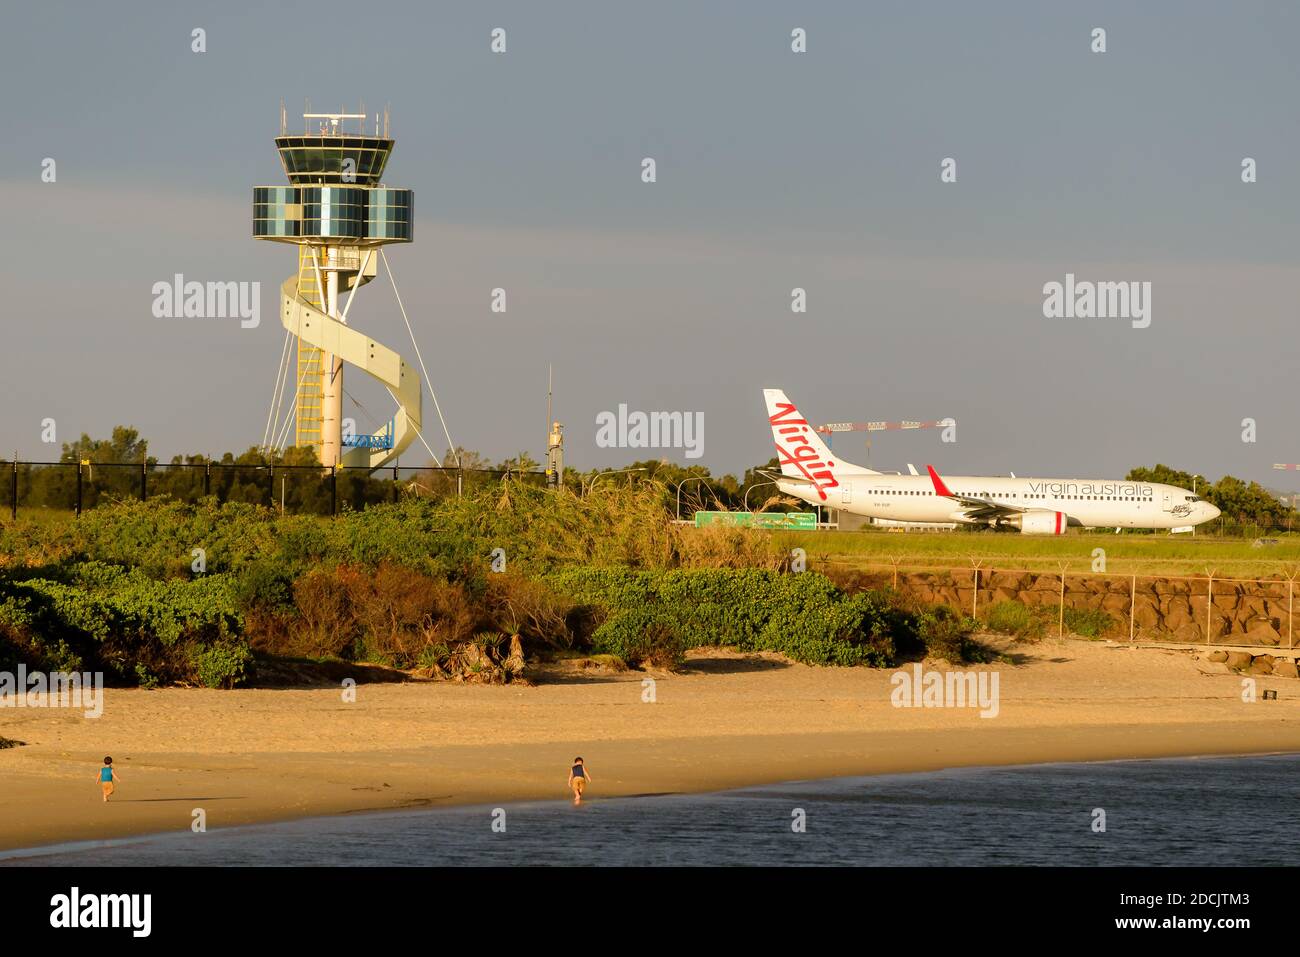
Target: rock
(1146,616)
(1212,667)
(1261,631)
(1225,604)
(1177,615)
(1263,665)
(1116,605)
(1239,660)
(1217,656)
(1285,668)
(1034,599)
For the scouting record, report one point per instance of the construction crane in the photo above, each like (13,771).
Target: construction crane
(830,428)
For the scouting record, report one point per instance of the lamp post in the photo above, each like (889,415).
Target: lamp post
(750,489)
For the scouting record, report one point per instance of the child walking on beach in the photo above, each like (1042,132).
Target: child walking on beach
(579,778)
(107,777)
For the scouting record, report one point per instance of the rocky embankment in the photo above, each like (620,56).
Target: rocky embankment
(1252,664)
(1161,609)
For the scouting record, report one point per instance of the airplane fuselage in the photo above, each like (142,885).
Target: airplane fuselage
(1081,502)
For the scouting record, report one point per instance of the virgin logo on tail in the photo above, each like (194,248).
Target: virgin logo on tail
(792,433)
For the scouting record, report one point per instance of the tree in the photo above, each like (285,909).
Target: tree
(1164,475)
(125,446)
(1241,502)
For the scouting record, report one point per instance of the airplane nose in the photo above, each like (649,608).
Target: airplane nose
(1211,512)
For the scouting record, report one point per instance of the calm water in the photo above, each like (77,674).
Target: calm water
(1211,811)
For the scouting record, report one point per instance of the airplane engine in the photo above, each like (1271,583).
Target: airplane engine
(1042,522)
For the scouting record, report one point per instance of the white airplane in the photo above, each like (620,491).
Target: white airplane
(811,472)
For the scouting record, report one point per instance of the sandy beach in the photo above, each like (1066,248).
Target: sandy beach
(729,720)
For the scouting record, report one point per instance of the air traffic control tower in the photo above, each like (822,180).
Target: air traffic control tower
(338,213)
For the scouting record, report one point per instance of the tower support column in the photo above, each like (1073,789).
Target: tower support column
(331,450)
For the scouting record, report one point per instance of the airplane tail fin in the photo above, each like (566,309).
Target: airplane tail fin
(802,453)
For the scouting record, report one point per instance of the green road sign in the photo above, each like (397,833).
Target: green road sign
(788,520)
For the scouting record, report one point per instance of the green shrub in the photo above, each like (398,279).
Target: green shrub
(803,616)
(946,634)
(104,618)
(1088,622)
(1014,618)
(641,636)
(222,665)
(264,585)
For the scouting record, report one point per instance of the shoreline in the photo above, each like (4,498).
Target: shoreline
(264,756)
(16,854)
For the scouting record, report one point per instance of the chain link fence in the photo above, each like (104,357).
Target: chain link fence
(297,489)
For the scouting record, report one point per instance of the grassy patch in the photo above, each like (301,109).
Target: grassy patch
(1088,622)
(1016,619)
(1127,554)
